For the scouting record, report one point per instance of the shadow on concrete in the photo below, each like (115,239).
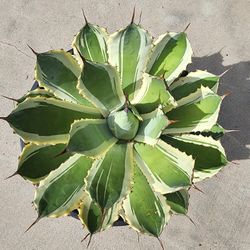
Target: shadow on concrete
(235,110)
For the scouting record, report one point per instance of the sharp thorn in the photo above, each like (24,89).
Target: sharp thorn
(90,238)
(133,16)
(85,237)
(33,224)
(186,28)
(223,73)
(195,187)
(138,237)
(140,18)
(231,130)
(3,118)
(9,98)
(84,16)
(190,220)
(12,175)
(32,50)
(225,95)
(160,241)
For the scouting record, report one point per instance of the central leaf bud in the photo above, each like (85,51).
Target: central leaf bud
(123,124)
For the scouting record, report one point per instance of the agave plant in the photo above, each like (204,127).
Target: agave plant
(118,128)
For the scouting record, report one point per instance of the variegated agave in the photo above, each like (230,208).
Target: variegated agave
(116,129)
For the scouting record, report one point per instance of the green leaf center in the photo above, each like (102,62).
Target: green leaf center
(123,124)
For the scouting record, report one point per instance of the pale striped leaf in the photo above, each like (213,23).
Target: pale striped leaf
(171,55)
(193,81)
(90,42)
(95,218)
(43,120)
(128,50)
(152,94)
(151,127)
(178,201)
(62,190)
(37,161)
(144,210)
(197,112)
(101,85)
(208,153)
(58,71)
(109,180)
(90,137)
(166,168)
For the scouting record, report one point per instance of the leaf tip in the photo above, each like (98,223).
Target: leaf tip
(34,52)
(33,224)
(9,98)
(186,28)
(84,16)
(12,175)
(133,16)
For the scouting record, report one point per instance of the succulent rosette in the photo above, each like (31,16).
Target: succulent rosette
(116,129)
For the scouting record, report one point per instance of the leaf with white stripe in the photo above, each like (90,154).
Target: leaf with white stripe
(151,127)
(90,42)
(197,112)
(170,56)
(128,50)
(95,218)
(58,71)
(144,210)
(43,120)
(37,161)
(101,85)
(62,190)
(208,153)
(166,168)
(109,180)
(152,94)
(178,201)
(90,137)
(193,81)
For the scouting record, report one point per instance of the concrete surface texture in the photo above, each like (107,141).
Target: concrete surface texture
(220,37)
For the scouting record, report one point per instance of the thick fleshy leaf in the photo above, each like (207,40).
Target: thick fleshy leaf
(100,84)
(90,42)
(178,201)
(90,137)
(95,218)
(166,168)
(152,94)
(128,51)
(208,153)
(145,210)
(58,71)
(45,120)
(39,92)
(193,81)
(197,112)
(62,190)
(109,180)
(170,56)
(216,132)
(151,127)
(37,161)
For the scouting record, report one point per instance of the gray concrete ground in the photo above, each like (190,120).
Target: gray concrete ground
(220,37)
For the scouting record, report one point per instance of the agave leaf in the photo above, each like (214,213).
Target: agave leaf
(62,190)
(178,201)
(90,137)
(170,56)
(166,168)
(152,127)
(152,94)
(109,180)
(100,84)
(145,210)
(58,72)
(216,132)
(90,43)
(37,93)
(95,218)
(197,112)
(208,153)
(37,161)
(128,50)
(192,82)
(30,119)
